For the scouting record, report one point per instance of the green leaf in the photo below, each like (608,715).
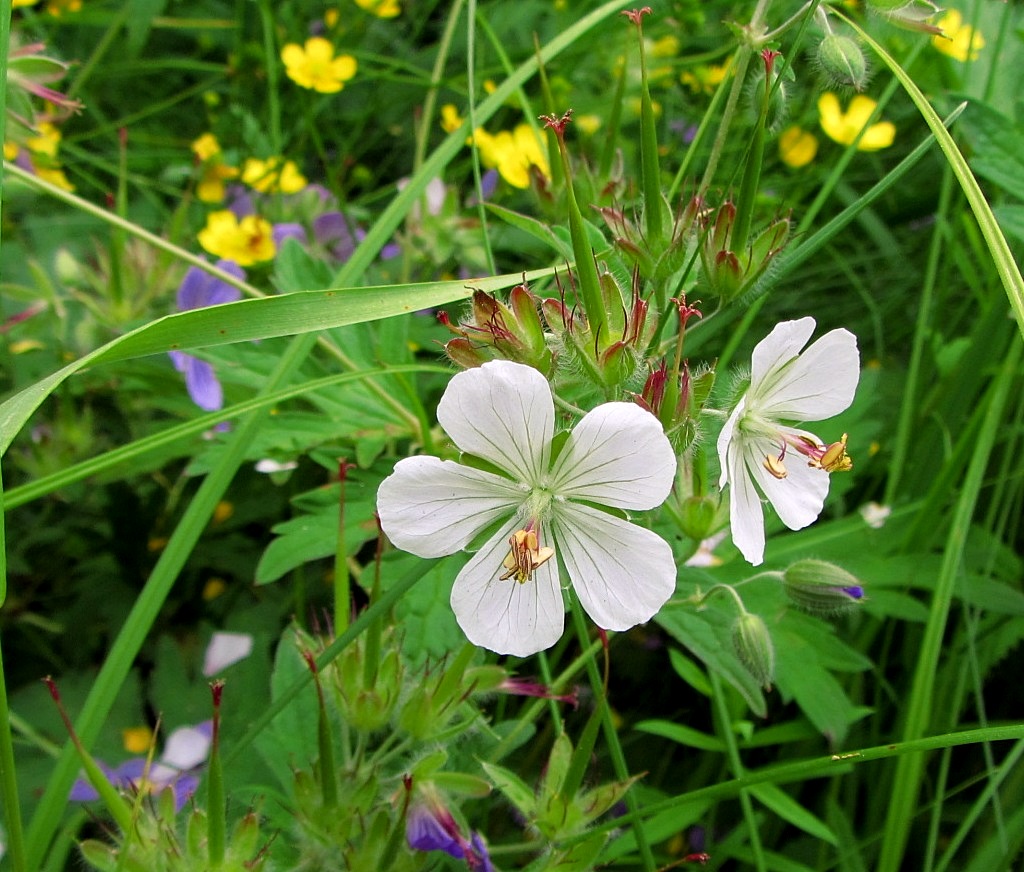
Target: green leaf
(681,734)
(247,321)
(790,810)
(513,787)
(690,672)
(537,229)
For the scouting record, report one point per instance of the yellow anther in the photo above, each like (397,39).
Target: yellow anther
(835,458)
(525,556)
(775,466)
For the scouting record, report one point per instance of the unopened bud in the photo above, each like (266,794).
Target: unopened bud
(912,15)
(822,588)
(697,517)
(842,62)
(754,647)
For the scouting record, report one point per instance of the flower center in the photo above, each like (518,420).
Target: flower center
(525,555)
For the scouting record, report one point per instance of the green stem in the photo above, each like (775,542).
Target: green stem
(910,769)
(611,736)
(725,733)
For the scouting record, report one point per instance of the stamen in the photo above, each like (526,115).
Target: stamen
(525,556)
(834,458)
(775,466)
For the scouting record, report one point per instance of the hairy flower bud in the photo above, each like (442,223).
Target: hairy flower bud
(822,588)
(842,62)
(754,647)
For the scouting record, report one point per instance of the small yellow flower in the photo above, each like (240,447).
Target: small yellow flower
(588,124)
(450,118)
(11,150)
(512,153)
(245,242)
(59,7)
(55,176)
(222,512)
(16,3)
(704,79)
(844,127)
(215,172)
(797,147)
(961,41)
(380,8)
(275,175)
(214,588)
(137,740)
(47,142)
(316,67)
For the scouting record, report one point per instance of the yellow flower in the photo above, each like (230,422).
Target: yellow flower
(316,67)
(245,242)
(589,124)
(450,118)
(11,150)
(797,147)
(704,79)
(380,8)
(215,172)
(512,153)
(137,740)
(961,41)
(275,175)
(47,142)
(59,7)
(55,176)
(16,3)
(844,127)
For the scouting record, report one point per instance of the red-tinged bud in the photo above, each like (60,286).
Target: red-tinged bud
(464,353)
(524,310)
(558,316)
(617,363)
(654,390)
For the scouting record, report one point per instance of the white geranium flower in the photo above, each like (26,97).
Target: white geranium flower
(508,597)
(786,385)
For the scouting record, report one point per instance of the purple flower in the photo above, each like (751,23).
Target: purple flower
(185,751)
(332,231)
(431,827)
(199,289)
(288,230)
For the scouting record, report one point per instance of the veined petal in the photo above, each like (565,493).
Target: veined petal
(746,518)
(431,507)
(622,573)
(504,413)
(617,455)
(818,384)
(799,497)
(505,616)
(773,353)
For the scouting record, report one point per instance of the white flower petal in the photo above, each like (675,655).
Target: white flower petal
(776,350)
(431,507)
(820,383)
(502,412)
(799,497)
(725,439)
(618,455)
(224,650)
(505,616)
(622,573)
(187,747)
(746,518)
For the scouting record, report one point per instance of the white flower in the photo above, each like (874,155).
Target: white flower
(224,650)
(786,385)
(508,598)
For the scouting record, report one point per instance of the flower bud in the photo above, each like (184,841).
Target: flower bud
(697,517)
(754,647)
(842,62)
(822,588)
